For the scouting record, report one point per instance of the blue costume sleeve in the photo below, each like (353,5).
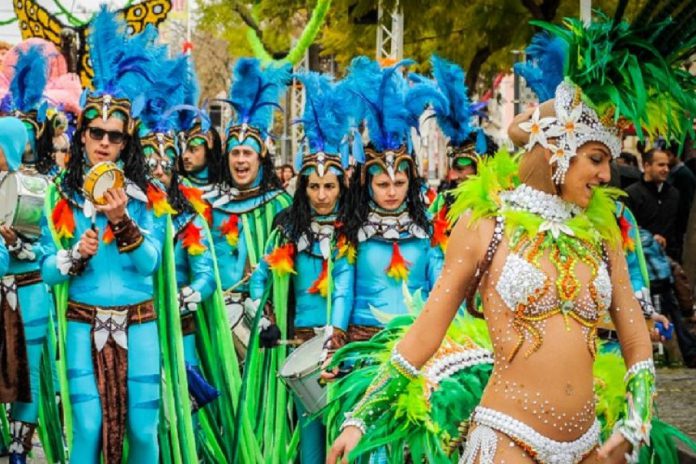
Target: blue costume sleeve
(146,258)
(436,260)
(201,267)
(635,258)
(257,283)
(4,258)
(49,271)
(344,278)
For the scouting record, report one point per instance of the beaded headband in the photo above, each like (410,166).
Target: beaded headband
(574,124)
(388,160)
(106,106)
(467,151)
(321,162)
(160,142)
(196,131)
(31,118)
(242,132)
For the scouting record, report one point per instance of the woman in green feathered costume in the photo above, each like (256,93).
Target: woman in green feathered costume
(538,240)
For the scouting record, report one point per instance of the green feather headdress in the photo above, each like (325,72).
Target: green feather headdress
(632,73)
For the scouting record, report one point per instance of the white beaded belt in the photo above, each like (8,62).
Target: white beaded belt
(548,451)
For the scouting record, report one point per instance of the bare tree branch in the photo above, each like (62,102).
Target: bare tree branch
(246,17)
(474,69)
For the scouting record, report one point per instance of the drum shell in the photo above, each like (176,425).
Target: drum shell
(304,380)
(239,323)
(96,175)
(23,194)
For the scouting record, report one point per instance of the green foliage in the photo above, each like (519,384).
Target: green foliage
(479,35)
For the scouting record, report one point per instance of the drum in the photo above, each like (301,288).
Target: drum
(239,323)
(99,179)
(22,202)
(301,373)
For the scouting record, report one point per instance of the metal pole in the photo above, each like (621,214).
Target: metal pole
(517,85)
(586,11)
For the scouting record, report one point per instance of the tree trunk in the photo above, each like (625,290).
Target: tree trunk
(480,57)
(689,254)
(546,11)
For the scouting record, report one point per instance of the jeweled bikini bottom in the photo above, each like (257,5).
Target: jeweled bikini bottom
(483,441)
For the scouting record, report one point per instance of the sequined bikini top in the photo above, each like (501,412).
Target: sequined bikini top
(532,294)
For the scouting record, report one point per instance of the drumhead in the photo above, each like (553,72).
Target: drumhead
(8,192)
(103,183)
(305,359)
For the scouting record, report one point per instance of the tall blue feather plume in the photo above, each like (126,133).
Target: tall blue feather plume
(325,116)
(186,119)
(255,92)
(107,43)
(543,70)
(166,97)
(382,93)
(360,86)
(423,93)
(29,79)
(455,122)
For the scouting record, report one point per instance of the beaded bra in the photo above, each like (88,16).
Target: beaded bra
(529,292)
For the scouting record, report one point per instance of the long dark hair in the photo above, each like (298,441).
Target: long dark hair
(44,149)
(357,204)
(176,198)
(297,218)
(132,156)
(212,158)
(269,181)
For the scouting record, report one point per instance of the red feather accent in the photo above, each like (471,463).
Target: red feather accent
(191,239)
(321,285)
(282,259)
(346,249)
(195,197)
(108,236)
(63,219)
(398,267)
(440,228)
(157,201)
(230,229)
(625,226)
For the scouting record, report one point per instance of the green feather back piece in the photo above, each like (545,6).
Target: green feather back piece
(634,71)
(425,418)
(480,195)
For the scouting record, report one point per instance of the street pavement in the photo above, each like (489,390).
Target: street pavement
(676,404)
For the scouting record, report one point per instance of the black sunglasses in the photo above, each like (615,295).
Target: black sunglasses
(95,133)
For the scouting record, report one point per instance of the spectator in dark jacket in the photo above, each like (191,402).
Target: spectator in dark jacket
(684,181)
(655,203)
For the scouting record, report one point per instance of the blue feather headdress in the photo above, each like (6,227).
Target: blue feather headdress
(194,124)
(325,122)
(25,97)
(166,100)
(390,108)
(125,68)
(466,140)
(543,69)
(254,94)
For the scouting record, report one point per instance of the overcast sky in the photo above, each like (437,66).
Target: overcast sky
(80,8)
